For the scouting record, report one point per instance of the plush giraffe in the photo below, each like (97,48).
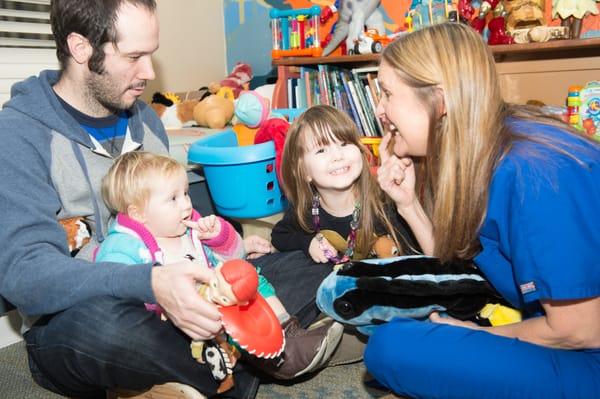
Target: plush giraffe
(353,16)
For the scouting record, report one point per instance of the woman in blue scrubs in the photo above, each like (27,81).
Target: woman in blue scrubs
(509,187)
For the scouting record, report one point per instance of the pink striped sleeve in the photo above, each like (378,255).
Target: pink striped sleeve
(228,243)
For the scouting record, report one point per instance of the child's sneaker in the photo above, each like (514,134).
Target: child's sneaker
(305,349)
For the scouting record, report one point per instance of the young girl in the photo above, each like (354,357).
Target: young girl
(155,222)
(337,212)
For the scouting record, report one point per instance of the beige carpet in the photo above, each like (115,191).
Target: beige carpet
(339,382)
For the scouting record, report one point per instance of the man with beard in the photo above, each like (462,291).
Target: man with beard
(85,324)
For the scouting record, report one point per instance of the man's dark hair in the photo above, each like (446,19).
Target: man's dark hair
(93,19)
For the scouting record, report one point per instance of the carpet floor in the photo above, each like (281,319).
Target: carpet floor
(339,382)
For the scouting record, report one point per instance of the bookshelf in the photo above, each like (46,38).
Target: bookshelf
(540,71)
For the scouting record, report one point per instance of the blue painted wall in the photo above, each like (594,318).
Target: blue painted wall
(248,35)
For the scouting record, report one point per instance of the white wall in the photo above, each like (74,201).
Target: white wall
(18,64)
(192,46)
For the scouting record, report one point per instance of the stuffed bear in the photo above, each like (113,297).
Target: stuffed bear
(213,111)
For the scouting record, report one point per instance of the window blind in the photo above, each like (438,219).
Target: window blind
(25,23)
(26,44)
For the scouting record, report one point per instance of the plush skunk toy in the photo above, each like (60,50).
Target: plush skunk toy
(371,292)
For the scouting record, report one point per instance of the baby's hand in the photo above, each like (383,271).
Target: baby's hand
(207,227)
(256,247)
(317,248)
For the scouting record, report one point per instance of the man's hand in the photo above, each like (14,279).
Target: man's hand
(318,247)
(256,247)
(174,287)
(207,227)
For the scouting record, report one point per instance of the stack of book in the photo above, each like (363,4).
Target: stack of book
(355,91)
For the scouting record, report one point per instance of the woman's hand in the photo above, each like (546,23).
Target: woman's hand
(317,249)
(567,324)
(436,318)
(396,176)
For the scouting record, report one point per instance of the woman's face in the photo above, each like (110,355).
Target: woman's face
(402,113)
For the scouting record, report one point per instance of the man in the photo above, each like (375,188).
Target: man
(85,324)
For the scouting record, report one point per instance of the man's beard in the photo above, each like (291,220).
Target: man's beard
(103,91)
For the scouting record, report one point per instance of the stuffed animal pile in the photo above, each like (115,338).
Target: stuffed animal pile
(212,109)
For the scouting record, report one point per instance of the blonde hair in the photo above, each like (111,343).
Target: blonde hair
(322,125)
(129,180)
(466,143)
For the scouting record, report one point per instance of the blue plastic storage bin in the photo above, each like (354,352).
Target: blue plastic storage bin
(241,180)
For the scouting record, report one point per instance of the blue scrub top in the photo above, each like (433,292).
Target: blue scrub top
(541,234)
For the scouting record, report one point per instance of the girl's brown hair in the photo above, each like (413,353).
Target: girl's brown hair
(467,142)
(323,125)
(129,179)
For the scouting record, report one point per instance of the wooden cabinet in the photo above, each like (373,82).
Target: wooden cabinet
(533,71)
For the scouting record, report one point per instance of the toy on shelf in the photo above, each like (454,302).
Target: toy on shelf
(572,12)
(326,14)
(422,13)
(589,110)
(370,41)
(496,26)
(525,22)
(353,16)
(573,104)
(295,32)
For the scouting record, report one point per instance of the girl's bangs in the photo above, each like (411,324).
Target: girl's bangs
(327,132)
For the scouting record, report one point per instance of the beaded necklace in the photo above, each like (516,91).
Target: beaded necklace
(333,257)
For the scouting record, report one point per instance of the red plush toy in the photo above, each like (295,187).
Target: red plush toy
(274,129)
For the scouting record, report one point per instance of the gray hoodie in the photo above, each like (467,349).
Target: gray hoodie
(49,170)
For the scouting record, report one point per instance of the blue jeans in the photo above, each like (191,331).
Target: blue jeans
(296,279)
(107,342)
(426,360)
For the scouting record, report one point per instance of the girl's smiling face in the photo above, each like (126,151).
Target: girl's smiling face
(404,115)
(334,166)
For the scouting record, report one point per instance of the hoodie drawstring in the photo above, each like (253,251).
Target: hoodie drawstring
(79,156)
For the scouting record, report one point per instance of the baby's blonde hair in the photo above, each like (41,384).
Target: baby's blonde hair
(129,180)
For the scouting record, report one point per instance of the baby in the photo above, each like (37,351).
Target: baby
(155,222)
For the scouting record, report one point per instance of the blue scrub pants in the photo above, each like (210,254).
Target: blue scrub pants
(426,360)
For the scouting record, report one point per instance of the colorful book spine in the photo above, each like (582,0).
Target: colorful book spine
(345,82)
